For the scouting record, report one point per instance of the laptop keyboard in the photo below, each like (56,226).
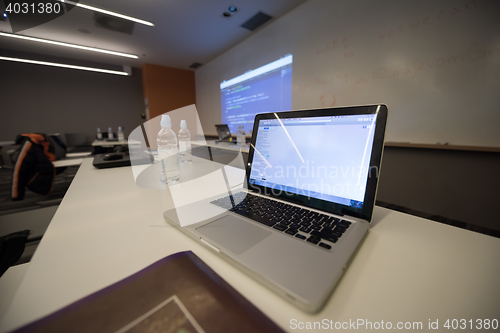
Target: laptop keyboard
(304,224)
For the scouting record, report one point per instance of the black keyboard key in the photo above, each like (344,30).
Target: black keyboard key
(325,235)
(326,246)
(317,233)
(305,229)
(327,230)
(308,213)
(336,234)
(345,224)
(280,227)
(276,219)
(330,225)
(332,239)
(323,217)
(328,219)
(339,229)
(285,217)
(313,240)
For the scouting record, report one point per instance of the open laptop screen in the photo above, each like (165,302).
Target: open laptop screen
(316,157)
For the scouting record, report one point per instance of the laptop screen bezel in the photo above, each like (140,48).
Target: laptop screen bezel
(366,211)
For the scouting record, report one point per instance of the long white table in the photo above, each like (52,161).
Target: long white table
(223,145)
(409,270)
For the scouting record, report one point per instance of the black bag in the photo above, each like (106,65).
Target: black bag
(33,166)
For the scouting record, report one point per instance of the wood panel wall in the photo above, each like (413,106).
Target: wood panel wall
(167,89)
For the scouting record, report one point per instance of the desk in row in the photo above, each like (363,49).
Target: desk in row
(408,270)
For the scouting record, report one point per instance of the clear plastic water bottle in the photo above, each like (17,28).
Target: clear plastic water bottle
(110,134)
(185,143)
(99,134)
(168,154)
(121,136)
(240,136)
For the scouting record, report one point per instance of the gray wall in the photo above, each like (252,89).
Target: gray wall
(436,64)
(37,98)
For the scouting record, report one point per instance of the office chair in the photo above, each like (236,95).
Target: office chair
(11,249)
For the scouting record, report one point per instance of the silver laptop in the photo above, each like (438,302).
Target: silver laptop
(311,180)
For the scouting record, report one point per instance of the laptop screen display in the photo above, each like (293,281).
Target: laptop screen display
(325,158)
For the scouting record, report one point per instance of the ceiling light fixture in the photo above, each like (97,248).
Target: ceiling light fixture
(231,10)
(54,64)
(75,46)
(108,12)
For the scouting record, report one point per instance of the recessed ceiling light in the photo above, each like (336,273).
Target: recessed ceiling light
(55,64)
(95,9)
(75,46)
(231,10)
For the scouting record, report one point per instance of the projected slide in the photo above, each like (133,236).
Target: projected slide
(265,89)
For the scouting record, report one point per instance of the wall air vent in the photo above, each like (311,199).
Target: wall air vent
(195,65)
(113,23)
(256,21)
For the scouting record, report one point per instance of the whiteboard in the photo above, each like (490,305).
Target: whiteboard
(435,64)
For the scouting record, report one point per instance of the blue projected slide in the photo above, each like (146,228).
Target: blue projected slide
(265,89)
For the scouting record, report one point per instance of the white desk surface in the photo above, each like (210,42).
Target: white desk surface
(67,162)
(223,145)
(104,143)
(71,159)
(408,270)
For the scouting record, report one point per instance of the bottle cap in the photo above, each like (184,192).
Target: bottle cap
(184,124)
(165,121)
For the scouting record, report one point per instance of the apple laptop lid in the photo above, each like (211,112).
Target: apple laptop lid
(327,159)
(223,132)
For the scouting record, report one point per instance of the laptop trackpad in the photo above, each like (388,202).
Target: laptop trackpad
(233,233)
